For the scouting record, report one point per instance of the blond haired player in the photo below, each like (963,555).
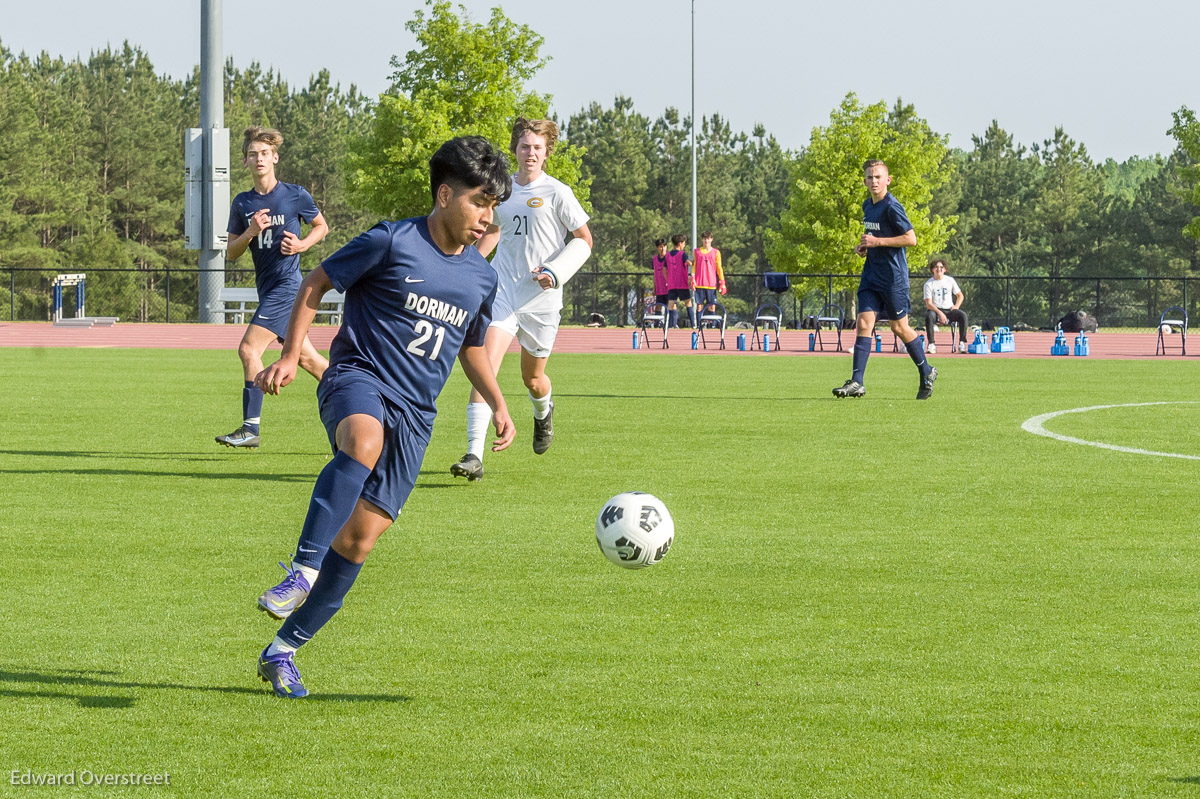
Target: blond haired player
(533,260)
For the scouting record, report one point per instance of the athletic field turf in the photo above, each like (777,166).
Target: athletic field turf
(866,598)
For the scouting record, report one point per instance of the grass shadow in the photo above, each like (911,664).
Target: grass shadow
(77,677)
(220,455)
(270,478)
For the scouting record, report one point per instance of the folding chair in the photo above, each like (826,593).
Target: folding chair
(828,317)
(1175,320)
(953,338)
(655,314)
(718,318)
(769,316)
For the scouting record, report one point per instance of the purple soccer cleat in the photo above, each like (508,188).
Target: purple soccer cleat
(280,671)
(284,598)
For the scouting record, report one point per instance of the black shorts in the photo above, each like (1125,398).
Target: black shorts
(679,294)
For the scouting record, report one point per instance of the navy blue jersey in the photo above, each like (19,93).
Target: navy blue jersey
(409,309)
(288,204)
(885,266)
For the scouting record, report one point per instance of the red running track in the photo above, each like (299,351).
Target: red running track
(572,339)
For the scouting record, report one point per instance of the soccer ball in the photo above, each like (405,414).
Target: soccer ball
(634,530)
(1166,329)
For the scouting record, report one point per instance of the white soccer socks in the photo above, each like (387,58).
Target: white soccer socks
(478,417)
(541,405)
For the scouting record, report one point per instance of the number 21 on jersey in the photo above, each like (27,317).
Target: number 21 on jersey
(425,331)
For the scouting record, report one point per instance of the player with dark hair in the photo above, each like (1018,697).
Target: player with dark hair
(658,264)
(417,294)
(883,287)
(266,220)
(679,281)
(533,264)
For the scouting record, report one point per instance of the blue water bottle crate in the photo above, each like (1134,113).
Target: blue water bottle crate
(1002,340)
(1059,347)
(979,345)
(1081,345)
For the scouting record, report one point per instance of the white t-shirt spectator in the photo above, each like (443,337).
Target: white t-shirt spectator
(942,291)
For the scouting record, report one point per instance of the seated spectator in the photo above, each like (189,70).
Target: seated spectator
(943,301)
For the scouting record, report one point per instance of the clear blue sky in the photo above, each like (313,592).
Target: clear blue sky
(1109,72)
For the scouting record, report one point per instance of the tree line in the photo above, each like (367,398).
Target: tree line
(92,161)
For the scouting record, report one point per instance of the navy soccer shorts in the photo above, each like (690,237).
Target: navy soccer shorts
(404,443)
(275,308)
(706,296)
(893,304)
(679,294)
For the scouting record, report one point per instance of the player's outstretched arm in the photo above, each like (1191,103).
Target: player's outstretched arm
(304,310)
(478,369)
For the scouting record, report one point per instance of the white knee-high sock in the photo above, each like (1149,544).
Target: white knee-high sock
(478,417)
(541,405)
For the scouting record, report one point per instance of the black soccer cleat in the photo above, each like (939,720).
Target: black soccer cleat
(239,438)
(543,432)
(851,388)
(468,466)
(926,389)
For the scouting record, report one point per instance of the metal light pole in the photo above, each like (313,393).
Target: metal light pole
(694,240)
(215,169)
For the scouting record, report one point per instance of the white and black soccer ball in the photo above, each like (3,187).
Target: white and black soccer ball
(634,530)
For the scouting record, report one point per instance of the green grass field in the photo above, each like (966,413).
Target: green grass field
(873,598)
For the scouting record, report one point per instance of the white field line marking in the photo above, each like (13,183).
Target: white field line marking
(1035,426)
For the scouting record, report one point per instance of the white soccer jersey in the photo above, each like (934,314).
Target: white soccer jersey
(533,223)
(942,291)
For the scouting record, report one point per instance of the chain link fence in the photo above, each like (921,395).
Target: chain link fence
(618,298)
(1015,302)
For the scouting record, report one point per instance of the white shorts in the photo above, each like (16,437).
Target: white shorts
(535,330)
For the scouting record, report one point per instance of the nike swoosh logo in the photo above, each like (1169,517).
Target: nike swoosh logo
(264,318)
(408,279)
(302,549)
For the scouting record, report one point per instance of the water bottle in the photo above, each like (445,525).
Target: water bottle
(812,342)
(741,341)
(695,338)
(636,340)
(766,342)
